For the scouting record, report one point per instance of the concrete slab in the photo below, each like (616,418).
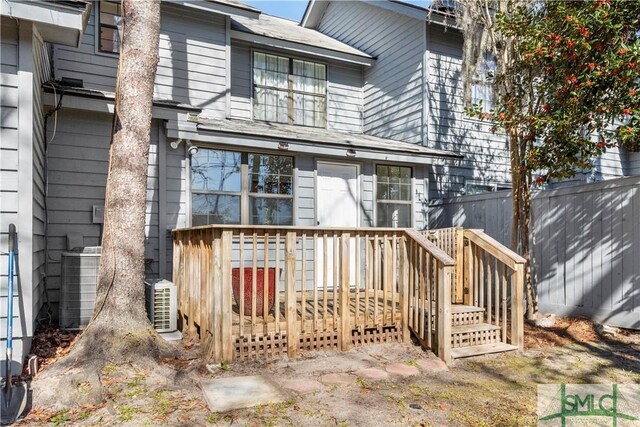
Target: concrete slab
(402,369)
(225,394)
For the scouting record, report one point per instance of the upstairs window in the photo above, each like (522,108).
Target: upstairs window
(393,196)
(110,24)
(482,87)
(290,91)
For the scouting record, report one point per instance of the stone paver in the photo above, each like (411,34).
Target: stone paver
(372,374)
(338,378)
(402,370)
(432,365)
(225,394)
(303,385)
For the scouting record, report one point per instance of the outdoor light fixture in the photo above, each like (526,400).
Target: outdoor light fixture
(351,153)
(176,143)
(191,149)
(283,146)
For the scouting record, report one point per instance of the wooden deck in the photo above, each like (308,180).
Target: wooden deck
(337,288)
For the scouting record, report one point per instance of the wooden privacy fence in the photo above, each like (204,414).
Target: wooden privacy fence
(264,292)
(586,242)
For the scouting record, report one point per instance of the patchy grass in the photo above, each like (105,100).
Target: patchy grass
(485,391)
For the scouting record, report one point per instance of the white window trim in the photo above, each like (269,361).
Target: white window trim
(413,201)
(301,58)
(244,179)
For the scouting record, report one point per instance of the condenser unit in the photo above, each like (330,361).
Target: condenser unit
(78,283)
(162,305)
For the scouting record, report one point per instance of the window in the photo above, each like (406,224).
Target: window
(229,187)
(481,187)
(289,90)
(482,88)
(393,196)
(270,189)
(110,23)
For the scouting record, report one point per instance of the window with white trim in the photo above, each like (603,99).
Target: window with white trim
(287,90)
(482,85)
(110,25)
(229,187)
(394,202)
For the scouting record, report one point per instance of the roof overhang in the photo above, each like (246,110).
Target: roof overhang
(104,102)
(211,134)
(62,23)
(313,13)
(316,8)
(301,48)
(221,7)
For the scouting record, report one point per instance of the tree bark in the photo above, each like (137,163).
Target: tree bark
(119,331)
(120,301)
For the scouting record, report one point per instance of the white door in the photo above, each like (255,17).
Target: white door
(337,206)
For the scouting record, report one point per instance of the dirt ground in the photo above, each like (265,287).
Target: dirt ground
(483,391)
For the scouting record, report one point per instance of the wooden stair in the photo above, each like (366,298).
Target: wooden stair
(471,336)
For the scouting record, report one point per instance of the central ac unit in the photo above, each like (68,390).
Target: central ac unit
(162,305)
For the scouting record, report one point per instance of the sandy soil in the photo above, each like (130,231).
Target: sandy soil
(482,391)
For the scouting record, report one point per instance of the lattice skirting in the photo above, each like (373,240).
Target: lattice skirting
(376,334)
(261,347)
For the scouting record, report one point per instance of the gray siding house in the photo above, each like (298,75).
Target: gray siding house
(414,93)
(256,120)
(354,117)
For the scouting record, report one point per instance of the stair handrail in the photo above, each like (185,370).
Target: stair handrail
(444,276)
(430,247)
(517,264)
(495,248)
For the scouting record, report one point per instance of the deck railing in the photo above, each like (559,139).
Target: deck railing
(256,292)
(493,279)
(487,275)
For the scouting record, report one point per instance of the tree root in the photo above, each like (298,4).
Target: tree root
(75,379)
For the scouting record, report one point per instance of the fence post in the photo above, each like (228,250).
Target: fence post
(226,331)
(345,277)
(293,336)
(517,309)
(459,268)
(445,274)
(404,289)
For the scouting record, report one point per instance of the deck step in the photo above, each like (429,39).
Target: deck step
(461,308)
(466,315)
(478,350)
(475,334)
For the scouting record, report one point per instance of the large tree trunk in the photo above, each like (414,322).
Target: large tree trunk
(120,299)
(119,331)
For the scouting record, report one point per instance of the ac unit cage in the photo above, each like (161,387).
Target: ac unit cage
(78,283)
(162,305)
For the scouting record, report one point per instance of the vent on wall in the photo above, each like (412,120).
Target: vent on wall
(78,282)
(162,305)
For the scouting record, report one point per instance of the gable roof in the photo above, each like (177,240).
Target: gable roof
(285,34)
(316,8)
